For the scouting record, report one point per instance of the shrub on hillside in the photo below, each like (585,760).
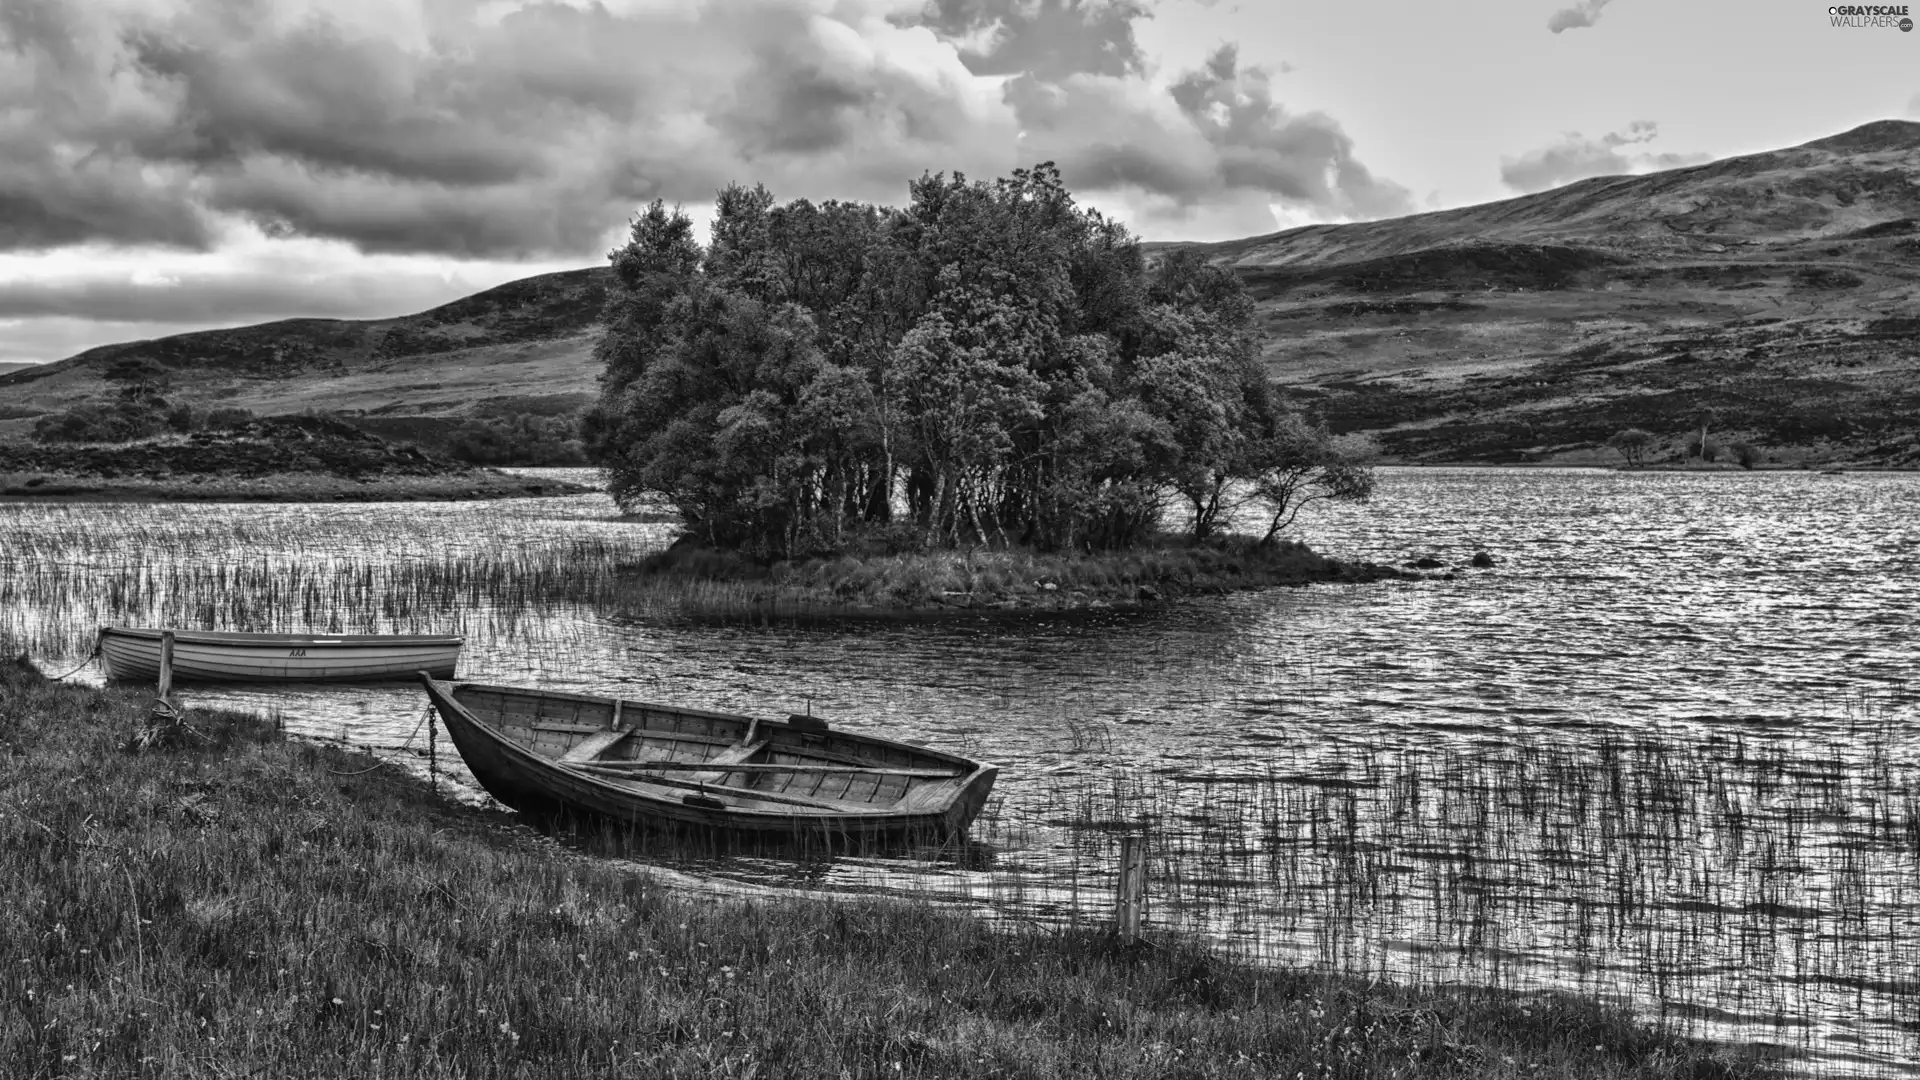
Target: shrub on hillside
(186,418)
(122,421)
(1821,277)
(1633,445)
(1745,454)
(228,416)
(518,440)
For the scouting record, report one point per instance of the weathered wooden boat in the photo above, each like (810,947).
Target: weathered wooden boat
(133,653)
(667,767)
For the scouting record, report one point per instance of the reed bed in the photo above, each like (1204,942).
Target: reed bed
(65,571)
(1726,886)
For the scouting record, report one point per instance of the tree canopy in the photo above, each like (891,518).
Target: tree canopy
(991,364)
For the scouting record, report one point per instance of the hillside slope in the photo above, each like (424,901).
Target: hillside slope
(1777,295)
(525,346)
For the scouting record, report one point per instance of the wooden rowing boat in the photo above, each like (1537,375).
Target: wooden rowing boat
(664,766)
(133,653)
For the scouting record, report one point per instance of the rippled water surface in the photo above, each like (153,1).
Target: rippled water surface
(1663,751)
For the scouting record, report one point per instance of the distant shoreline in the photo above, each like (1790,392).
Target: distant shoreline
(478,483)
(280,488)
(1662,468)
(281,459)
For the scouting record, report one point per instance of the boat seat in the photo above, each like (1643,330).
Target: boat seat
(732,755)
(927,796)
(595,744)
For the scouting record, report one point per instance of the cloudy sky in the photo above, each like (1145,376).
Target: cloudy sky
(168,165)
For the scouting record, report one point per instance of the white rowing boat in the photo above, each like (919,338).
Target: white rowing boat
(133,653)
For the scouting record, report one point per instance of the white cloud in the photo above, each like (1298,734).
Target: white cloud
(1576,157)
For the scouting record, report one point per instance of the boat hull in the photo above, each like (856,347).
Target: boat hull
(134,655)
(520,768)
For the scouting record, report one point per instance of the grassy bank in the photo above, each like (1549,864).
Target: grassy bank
(702,579)
(242,905)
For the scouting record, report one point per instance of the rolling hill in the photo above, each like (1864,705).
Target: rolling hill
(1776,294)
(522,347)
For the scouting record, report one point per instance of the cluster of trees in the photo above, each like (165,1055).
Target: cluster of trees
(991,364)
(521,439)
(1634,444)
(139,410)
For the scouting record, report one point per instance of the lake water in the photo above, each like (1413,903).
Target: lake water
(1663,752)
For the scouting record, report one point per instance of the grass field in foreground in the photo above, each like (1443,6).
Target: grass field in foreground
(244,905)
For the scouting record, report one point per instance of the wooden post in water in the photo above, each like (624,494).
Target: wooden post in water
(1130,890)
(166,664)
(433,749)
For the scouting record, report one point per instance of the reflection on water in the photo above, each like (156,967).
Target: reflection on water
(1662,751)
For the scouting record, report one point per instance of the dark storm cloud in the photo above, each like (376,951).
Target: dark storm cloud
(1303,159)
(58,189)
(1576,157)
(422,127)
(1048,39)
(1218,135)
(315,95)
(46,203)
(805,95)
(1584,13)
(535,134)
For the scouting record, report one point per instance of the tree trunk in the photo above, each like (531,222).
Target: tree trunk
(969,494)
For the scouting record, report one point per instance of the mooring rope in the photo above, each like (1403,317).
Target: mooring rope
(425,713)
(90,658)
